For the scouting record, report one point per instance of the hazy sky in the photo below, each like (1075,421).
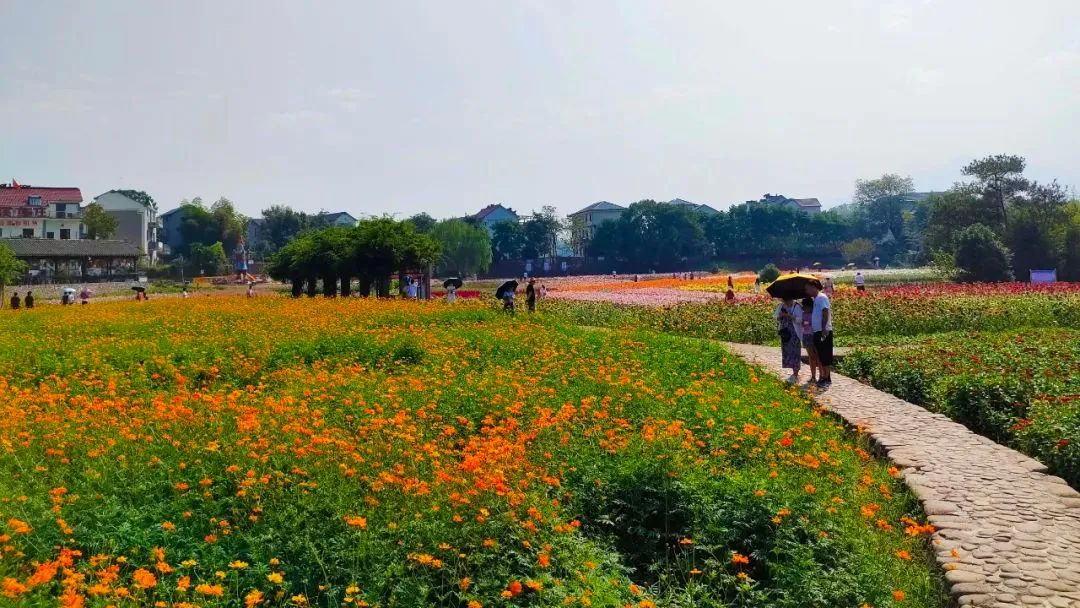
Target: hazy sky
(400,106)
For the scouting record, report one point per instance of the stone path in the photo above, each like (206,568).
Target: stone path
(1008,533)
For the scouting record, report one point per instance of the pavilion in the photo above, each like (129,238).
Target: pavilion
(52,260)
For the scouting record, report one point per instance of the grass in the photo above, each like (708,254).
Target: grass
(272,452)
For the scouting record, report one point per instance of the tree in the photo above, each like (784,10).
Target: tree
(541,233)
(858,250)
(769,273)
(981,256)
(1000,177)
(280,224)
(507,240)
(890,184)
(653,236)
(1069,267)
(943,215)
(99,224)
(221,223)
(422,223)
(11,270)
(466,249)
(209,259)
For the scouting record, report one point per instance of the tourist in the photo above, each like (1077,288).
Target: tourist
(508,301)
(829,287)
(757,284)
(860,282)
(64,298)
(29,300)
(15,302)
(543,291)
(730,282)
(821,325)
(84,295)
(808,337)
(184,293)
(788,316)
(530,296)
(410,288)
(451,293)
(140,296)
(251,290)
(730,295)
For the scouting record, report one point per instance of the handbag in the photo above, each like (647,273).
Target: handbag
(784,330)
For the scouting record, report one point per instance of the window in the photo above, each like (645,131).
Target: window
(28,233)
(35,201)
(50,235)
(65,234)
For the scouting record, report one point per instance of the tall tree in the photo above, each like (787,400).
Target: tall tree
(99,224)
(280,224)
(466,249)
(889,184)
(541,233)
(422,222)
(11,270)
(1001,177)
(507,240)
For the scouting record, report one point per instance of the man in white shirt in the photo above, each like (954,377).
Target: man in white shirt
(821,325)
(860,282)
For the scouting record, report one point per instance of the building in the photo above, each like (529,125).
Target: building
(37,212)
(493,214)
(55,260)
(136,216)
(338,218)
(698,208)
(584,222)
(806,205)
(170,233)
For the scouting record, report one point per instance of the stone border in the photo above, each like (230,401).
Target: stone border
(1008,534)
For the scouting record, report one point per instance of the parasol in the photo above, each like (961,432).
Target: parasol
(69,290)
(456,282)
(507,286)
(138,288)
(791,286)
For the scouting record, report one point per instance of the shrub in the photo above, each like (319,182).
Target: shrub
(981,256)
(769,273)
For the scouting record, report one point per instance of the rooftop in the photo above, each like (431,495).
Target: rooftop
(17,196)
(486,211)
(52,248)
(600,206)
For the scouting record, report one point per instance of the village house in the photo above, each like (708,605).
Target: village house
(806,205)
(136,217)
(584,222)
(39,212)
(493,214)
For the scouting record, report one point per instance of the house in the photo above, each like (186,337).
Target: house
(40,212)
(583,223)
(170,232)
(698,208)
(493,214)
(806,205)
(254,230)
(81,261)
(136,216)
(337,218)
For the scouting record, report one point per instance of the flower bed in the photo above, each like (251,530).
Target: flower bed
(1019,388)
(275,452)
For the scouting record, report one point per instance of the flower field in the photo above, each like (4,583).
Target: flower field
(876,316)
(1019,388)
(222,451)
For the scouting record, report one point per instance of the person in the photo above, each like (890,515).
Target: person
(140,296)
(29,299)
(508,301)
(757,284)
(184,293)
(64,298)
(251,290)
(860,282)
(15,301)
(829,287)
(410,289)
(788,316)
(543,291)
(730,282)
(530,296)
(84,295)
(730,295)
(451,293)
(822,326)
(807,309)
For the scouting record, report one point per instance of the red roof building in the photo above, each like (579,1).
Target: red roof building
(40,212)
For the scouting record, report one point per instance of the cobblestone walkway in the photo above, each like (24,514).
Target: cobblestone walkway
(1009,533)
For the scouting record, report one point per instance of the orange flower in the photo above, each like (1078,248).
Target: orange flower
(739,558)
(356,521)
(904,555)
(144,579)
(899,595)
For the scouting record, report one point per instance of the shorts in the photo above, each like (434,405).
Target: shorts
(860,288)
(808,341)
(823,344)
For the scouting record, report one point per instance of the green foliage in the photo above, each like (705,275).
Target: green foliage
(507,240)
(981,256)
(1015,387)
(99,224)
(1000,177)
(867,191)
(652,236)
(858,250)
(140,197)
(422,223)
(769,273)
(209,260)
(12,270)
(539,232)
(466,249)
(221,223)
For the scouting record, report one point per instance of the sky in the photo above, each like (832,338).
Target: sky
(397,107)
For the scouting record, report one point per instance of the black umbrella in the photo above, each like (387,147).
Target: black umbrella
(456,282)
(791,286)
(138,288)
(507,286)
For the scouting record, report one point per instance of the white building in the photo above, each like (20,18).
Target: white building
(584,222)
(40,212)
(137,221)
